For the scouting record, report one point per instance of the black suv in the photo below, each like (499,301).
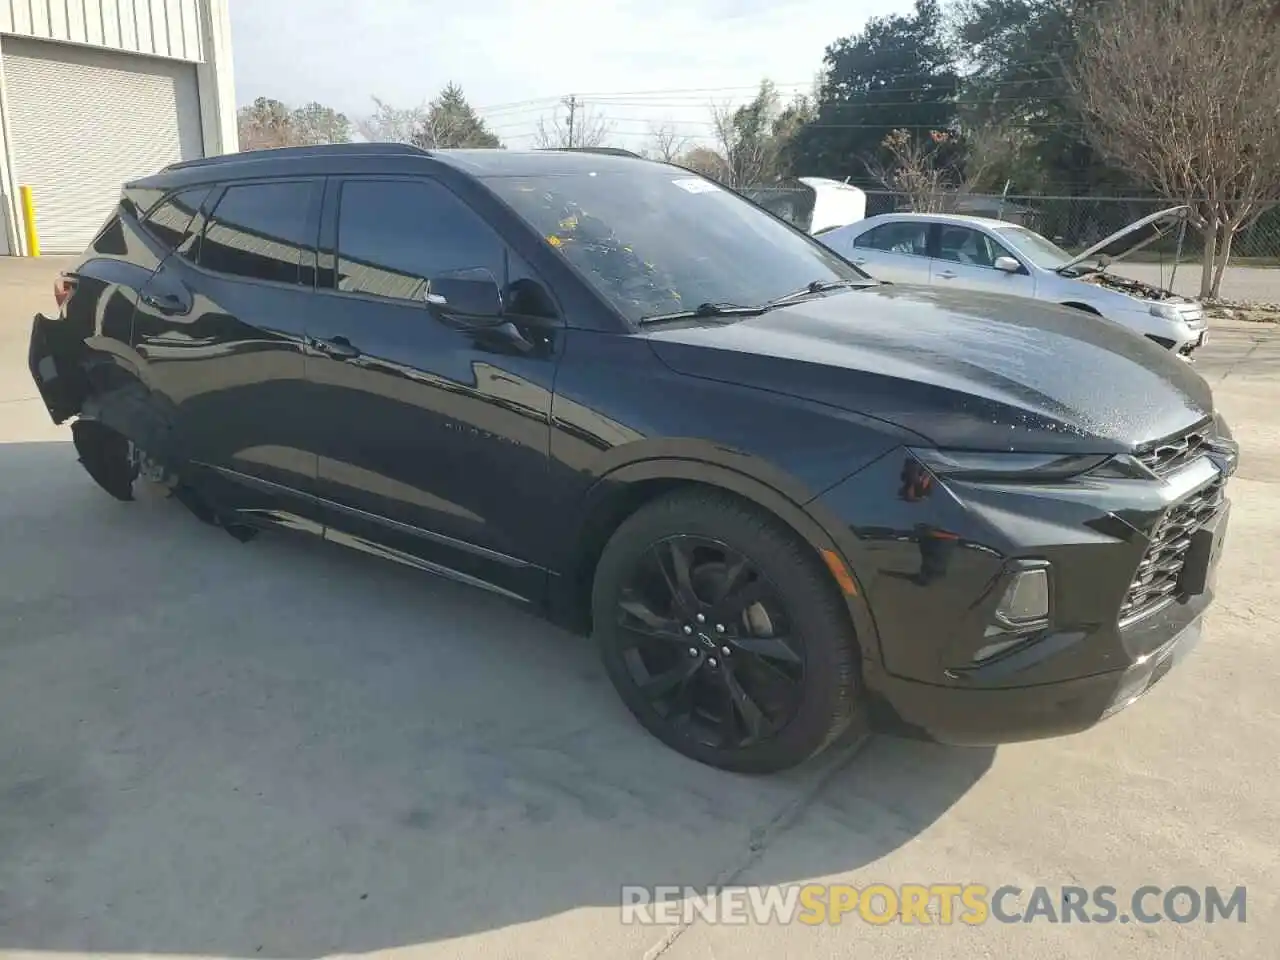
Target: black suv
(787,500)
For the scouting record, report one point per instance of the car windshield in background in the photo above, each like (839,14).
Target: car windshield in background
(659,241)
(1041,251)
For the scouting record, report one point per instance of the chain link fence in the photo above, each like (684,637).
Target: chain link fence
(1076,223)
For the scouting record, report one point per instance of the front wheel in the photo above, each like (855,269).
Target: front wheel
(724,634)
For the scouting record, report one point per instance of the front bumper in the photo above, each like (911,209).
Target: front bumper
(986,716)
(934,567)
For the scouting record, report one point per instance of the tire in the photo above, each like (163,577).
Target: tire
(819,692)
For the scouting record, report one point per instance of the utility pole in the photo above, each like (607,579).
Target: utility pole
(572,104)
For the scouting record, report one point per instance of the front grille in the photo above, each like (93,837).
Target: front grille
(1155,583)
(1164,458)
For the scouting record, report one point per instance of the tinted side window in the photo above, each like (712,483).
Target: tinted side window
(963,245)
(259,231)
(138,200)
(902,237)
(396,235)
(170,221)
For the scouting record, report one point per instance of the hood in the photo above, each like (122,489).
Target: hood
(1133,237)
(960,369)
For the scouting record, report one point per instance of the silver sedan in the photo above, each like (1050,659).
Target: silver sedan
(975,253)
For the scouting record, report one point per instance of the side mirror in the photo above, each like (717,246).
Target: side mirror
(470,294)
(1008,265)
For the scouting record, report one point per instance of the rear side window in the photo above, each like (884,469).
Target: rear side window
(138,200)
(259,231)
(911,238)
(395,235)
(170,221)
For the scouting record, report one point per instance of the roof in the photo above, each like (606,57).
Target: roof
(477,162)
(514,163)
(956,218)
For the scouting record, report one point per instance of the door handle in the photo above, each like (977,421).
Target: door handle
(337,348)
(168,303)
(861,261)
(947,275)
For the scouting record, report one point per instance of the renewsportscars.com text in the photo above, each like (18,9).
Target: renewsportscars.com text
(937,903)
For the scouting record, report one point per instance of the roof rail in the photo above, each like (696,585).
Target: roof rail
(315,150)
(607,151)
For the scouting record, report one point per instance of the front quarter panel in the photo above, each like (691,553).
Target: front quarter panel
(616,405)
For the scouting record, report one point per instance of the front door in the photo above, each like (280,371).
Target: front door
(965,259)
(436,431)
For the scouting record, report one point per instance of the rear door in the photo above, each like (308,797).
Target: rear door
(220,330)
(896,251)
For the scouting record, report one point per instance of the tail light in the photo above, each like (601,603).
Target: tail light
(63,287)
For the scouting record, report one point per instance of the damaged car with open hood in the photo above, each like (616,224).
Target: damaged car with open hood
(975,253)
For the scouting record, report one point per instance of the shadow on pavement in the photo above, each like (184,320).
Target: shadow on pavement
(287,749)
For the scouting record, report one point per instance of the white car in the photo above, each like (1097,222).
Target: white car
(974,253)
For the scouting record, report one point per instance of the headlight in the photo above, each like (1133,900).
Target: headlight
(1024,467)
(1165,312)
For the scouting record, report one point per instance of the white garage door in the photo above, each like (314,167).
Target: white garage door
(84,121)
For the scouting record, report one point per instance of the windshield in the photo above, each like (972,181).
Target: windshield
(1041,251)
(658,240)
(793,204)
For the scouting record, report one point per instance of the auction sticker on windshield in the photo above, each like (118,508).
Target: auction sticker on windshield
(695,185)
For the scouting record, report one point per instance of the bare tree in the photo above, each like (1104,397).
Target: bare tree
(315,123)
(266,123)
(579,126)
(665,144)
(744,136)
(917,167)
(705,161)
(991,152)
(388,124)
(937,169)
(1183,94)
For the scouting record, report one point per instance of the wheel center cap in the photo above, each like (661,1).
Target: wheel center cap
(706,641)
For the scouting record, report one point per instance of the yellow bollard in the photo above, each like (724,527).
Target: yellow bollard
(29,222)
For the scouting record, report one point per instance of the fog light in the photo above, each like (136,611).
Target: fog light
(1026,600)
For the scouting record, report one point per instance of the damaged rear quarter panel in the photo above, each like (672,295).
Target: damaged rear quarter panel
(92,338)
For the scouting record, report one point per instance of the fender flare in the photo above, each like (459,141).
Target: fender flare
(797,516)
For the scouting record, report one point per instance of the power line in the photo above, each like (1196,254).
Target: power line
(871,105)
(883,125)
(829,112)
(692,96)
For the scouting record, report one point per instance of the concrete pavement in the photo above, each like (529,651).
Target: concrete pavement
(1250,284)
(283,749)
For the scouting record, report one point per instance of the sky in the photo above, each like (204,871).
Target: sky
(633,63)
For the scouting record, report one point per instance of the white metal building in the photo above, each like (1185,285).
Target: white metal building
(97,92)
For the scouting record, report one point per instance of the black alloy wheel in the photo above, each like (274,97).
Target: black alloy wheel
(708,643)
(724,634)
